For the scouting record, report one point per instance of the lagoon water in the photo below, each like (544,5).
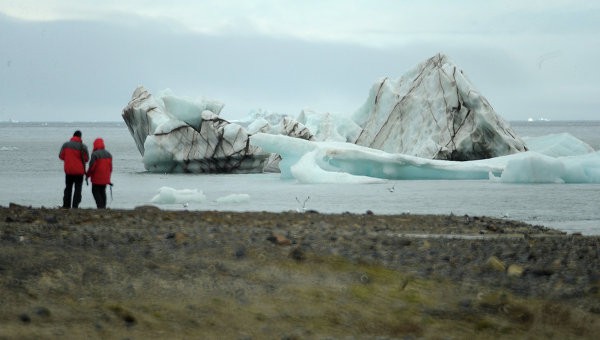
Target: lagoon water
(31,174)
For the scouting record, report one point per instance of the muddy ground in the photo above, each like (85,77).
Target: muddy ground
(152,274)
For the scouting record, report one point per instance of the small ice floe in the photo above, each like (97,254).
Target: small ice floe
(8,148)
(234,198)
(167,195)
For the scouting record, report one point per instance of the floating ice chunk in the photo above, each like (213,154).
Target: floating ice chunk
(259,125)
(433,111)
(234,198)
(189,110)
(176,134)
(533,168)
(334,162)
(329,126)
(301,158)
(582,168)
(558,145)
(306,170)
(167,195)
(8,148)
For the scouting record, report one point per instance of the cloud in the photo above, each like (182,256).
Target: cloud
(83,59)
(365,22)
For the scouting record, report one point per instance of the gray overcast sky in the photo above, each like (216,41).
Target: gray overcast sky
(80,60)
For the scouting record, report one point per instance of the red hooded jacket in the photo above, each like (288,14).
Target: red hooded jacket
(74,154)
(100,164)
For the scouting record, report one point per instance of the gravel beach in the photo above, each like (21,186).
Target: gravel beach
(148,273)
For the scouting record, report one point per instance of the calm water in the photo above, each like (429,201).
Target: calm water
(31,174)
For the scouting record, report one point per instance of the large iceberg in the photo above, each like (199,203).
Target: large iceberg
(433,111)
(416,127)
(176,134)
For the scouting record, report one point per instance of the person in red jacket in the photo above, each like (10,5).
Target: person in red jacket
(99,171)
(74,154)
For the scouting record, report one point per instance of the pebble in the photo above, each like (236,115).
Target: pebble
(515,270)
(279,239)
(494,263)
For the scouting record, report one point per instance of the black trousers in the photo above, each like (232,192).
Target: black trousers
(99,192)
(70,182)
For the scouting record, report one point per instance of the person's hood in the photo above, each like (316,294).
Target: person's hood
(76,139)
(98,144)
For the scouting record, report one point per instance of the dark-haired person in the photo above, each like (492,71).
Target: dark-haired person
(74,154)
(99,171)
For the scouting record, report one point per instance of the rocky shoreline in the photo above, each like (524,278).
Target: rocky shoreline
(206,274)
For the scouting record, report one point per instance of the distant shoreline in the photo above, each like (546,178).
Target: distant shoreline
(471,224)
